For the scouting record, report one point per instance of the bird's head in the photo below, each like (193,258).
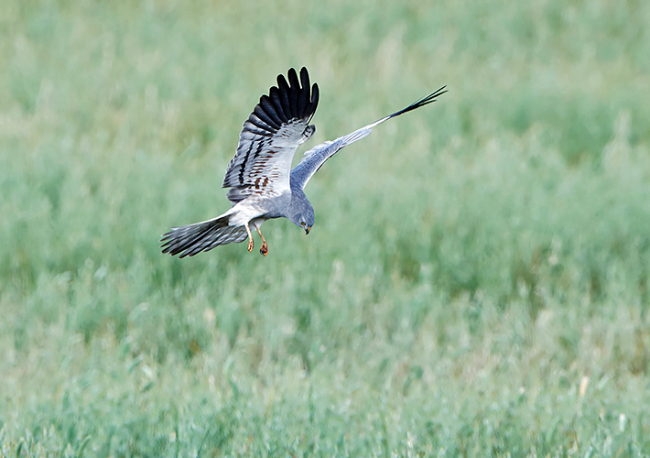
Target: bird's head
(303,215)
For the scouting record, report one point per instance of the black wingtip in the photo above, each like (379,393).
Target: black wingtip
(292,98)
(303,95)
(314,96)
(304,77)
(422,102)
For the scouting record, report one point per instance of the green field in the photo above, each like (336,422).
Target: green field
(476,283)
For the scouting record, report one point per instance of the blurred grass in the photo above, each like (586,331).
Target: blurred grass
(476,282)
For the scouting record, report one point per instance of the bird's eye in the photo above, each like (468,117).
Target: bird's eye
(303,223)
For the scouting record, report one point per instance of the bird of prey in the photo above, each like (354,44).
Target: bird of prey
(262,184)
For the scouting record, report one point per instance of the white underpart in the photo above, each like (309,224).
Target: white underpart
(244,212)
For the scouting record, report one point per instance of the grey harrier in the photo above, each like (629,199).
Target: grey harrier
(262,184)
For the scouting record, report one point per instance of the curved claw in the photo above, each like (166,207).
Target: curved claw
(265,249)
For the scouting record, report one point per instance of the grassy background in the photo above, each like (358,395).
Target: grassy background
(476,282)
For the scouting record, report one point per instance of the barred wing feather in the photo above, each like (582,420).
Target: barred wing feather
(269,138)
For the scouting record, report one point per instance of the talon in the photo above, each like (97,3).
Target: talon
(250,245)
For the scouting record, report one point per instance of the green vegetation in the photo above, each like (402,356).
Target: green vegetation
(476,283)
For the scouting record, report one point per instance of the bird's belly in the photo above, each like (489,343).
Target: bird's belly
(257,223)
(254,211)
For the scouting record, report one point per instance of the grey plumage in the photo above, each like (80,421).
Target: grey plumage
(316,157)
(262,186)
(192,239)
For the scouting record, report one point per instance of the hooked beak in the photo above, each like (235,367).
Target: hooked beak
(307,230)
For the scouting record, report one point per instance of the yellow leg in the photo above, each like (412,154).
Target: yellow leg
(250,238)
(265,248)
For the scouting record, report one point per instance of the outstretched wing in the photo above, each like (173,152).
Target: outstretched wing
(316,157)
(270,137)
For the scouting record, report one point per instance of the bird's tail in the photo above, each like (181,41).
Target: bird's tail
(195,238)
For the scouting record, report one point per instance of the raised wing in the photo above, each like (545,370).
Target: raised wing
(270,137)
(316,157)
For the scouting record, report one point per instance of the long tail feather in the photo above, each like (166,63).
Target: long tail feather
(195,238)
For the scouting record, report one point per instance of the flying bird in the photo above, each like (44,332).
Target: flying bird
(262,184)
